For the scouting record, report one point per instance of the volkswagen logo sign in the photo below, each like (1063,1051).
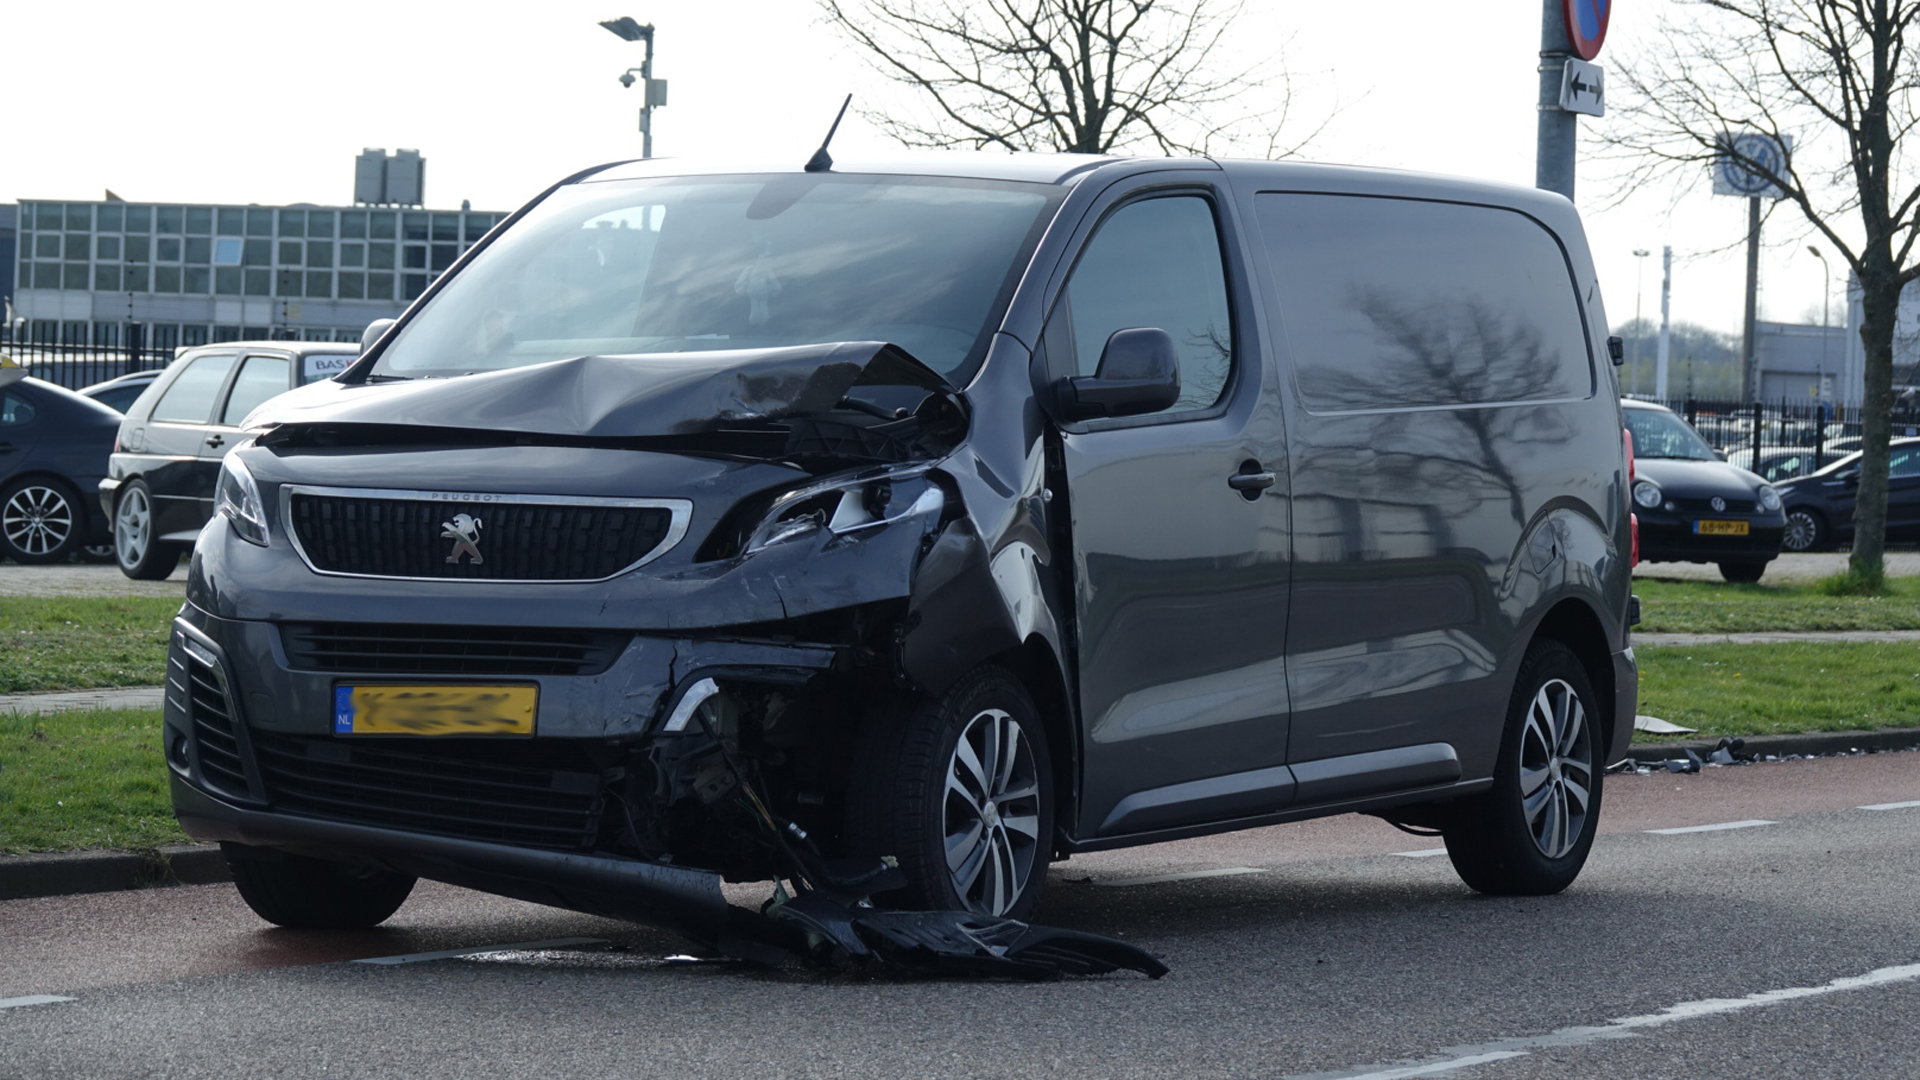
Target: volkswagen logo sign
(1719,504)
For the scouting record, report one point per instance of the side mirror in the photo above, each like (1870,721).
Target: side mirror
(1139,373)
(374,331)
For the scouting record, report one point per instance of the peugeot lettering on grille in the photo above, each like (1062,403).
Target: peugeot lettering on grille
(464,531)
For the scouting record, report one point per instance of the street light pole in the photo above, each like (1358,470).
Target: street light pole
(1826,299)
(1639,328)
(654,91)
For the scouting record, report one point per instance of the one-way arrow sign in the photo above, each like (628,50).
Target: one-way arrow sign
(1583,88)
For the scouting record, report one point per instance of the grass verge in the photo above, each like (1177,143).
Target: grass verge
(83,779)
(78,642)
(1782,689)
(1709,607)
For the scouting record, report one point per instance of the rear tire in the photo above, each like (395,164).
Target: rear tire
(1530,834)
(1742,572)
(960,791)
(141,554)
(314,894)
(40,521)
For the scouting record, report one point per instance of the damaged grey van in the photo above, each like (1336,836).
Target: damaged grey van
(894,532)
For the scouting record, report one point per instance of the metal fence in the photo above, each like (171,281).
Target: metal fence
(1796,436)
(58,357)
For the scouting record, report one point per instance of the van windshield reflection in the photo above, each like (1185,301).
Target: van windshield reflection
(694,265)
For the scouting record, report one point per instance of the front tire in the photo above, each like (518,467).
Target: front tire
(960,791)
(142,555)
(1806,531)
(1530,834)
(314,894)
(40,521)
(1744,572)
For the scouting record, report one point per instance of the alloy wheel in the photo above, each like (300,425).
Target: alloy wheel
(992,813)
(37,520)
(132,522)
(1802,531)
(1556,768)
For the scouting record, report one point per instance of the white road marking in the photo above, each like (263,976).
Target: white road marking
(448,954)
(1225,871)
(1891,806)
(1461,1057)
(32,999)
(1424,853)
(1749,824)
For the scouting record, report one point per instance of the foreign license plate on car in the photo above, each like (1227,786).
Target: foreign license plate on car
(1719,528)
(390,709)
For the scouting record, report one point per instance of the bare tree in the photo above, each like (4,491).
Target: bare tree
(1838,78)
(1082,76)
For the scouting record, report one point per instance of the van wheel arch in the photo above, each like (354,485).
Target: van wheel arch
(1034,664)
(1574,623)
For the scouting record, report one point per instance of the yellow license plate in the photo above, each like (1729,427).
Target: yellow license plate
(387,709)
(1719,528)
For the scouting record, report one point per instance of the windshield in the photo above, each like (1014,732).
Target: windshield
(1658,433)
(736,262)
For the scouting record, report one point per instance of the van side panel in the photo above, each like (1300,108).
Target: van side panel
(1450,435)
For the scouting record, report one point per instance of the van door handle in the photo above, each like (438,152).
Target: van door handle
(1251,481)
(214,440)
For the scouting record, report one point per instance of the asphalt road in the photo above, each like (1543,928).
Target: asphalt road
(1786,949)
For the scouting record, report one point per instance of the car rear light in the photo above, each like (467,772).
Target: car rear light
(1631,477)
(116,443)
(1633,523)
(1633,519)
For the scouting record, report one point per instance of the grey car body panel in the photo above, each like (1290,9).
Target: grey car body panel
(1298,659)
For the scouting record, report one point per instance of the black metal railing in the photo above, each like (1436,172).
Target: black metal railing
(1783,439)
(61,353)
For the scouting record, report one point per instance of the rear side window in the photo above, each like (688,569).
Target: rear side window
(260,378)
(1403,303)
(1904,461)
(1155,263)
(190,399)
(15,409)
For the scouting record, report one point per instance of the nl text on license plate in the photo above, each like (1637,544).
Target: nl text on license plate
(1719,528)
(390,709)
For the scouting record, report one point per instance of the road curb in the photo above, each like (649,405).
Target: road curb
(1810,744)
(66,873)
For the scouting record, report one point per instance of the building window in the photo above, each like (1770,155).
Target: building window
(192,335)
(286,283)
(169,219)
(106,333)
(415,257)
(226,333)
(259,281)
(353,285)
(232,221)
(289,253)
(197,280)
(380,256)
(293,223)
(77,247)
(137,248)
(106,279)
(257,252)
(74,276)
(415,285)
(477,226)
(320,284)
(49,216)
(164,336)
(444,254)
(227,251)
(113,218)
(320,253)
(79,217)
(46,246)
(199,250)
(227,281)
(414,226)
(259,221)
(166,279)
(167,249)
(446,227)
(199,223)
(353,254)
(73,333)
(379,286)
(353,223)
(107,249)
(139,219)
(46,275)
(134,279)
(320,224)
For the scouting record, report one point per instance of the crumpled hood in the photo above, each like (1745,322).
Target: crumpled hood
(620,396)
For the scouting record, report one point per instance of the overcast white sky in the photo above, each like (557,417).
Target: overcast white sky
(210,101)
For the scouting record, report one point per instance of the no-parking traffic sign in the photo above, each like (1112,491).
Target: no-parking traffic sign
(1587,25)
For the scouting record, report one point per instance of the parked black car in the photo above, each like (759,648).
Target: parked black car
(896,531)
(158,491)
(1694,507)
(1820,507)
(53,450)
(120,393)
(1775,466)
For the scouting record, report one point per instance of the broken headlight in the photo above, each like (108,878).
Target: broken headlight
(846,503)
(237,498)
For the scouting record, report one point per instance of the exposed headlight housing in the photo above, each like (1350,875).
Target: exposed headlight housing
(237,498)
(1769,498)
(1647,494)
(846,503)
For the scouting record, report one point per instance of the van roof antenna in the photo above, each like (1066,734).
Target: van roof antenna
(821,161)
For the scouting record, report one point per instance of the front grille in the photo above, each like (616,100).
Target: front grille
(410,649)
(541,794)
(214,734)
(1705,506)
(516,538)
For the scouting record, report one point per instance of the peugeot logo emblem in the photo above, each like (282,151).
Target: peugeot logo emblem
(1719,504)
(464,531)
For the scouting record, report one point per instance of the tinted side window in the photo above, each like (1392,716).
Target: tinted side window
(190,398)
(15,409)
(260,378)
(1396,303)
(1156,263)
(119,397)
(1904,461)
